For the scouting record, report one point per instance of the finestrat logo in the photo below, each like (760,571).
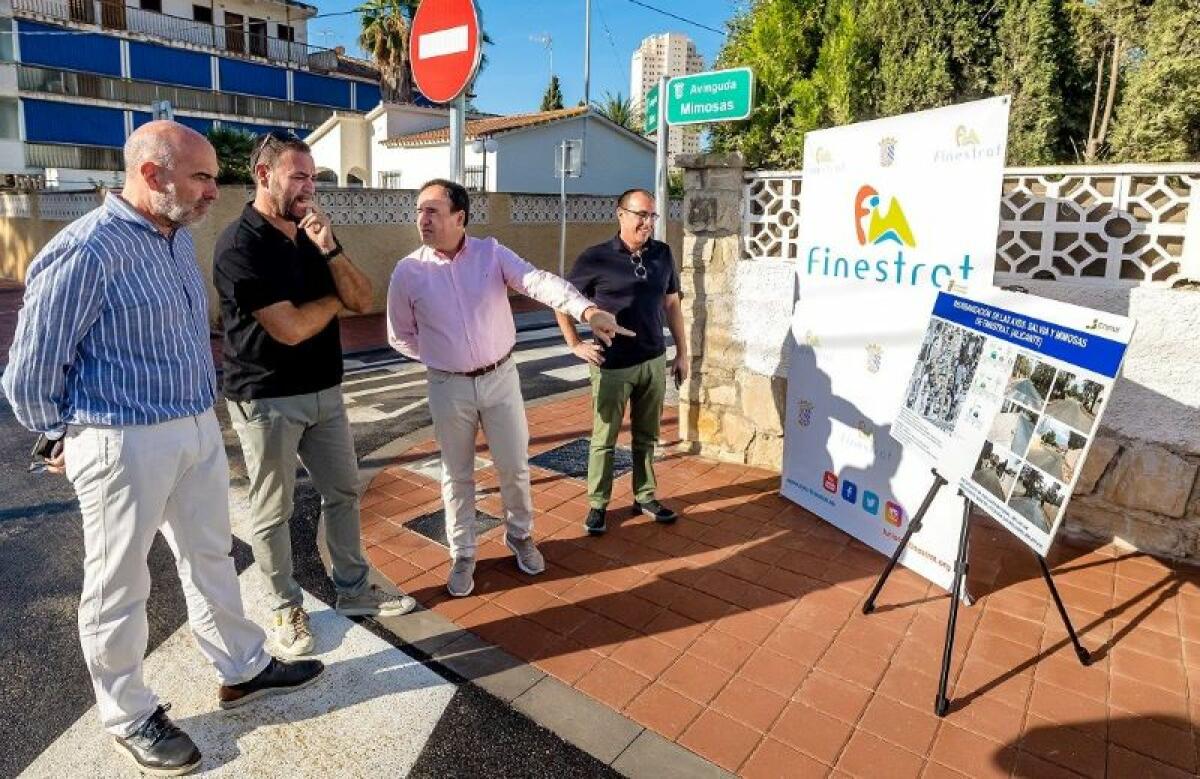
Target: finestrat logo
(873,225)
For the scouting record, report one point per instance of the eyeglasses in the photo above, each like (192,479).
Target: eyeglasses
(644,216)
(639,269)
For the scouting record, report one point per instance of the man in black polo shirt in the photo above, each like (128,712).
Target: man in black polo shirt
(282,279)
(633,276)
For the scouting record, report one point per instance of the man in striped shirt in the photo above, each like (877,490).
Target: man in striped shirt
(112,356)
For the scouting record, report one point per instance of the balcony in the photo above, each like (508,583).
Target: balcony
(49,155)
(50,81)
(236,41)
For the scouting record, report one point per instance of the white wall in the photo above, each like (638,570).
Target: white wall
(419,164)
(327,150)
(614,160)
(1157,397)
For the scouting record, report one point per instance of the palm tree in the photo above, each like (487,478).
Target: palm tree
(384,36)
(619,110)
(233,149)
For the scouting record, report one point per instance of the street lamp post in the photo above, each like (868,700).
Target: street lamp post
(483,146)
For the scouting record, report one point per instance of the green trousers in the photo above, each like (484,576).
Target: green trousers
(641,387)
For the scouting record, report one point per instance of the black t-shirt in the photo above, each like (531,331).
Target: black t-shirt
(605,273)
(255,265)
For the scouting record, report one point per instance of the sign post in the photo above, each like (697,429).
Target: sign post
(568,162)
(446,48)
(661,194)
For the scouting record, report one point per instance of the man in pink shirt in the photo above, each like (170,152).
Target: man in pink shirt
(448,307)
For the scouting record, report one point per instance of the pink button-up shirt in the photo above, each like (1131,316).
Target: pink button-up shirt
(453,314)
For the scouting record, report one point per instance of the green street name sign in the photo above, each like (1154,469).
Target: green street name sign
(715,96)
(651,123)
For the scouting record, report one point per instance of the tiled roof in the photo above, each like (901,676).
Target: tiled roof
(353,66)
(488,126)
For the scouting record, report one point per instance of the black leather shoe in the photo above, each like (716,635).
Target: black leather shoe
(595,522)
(279,677)
(656,510)
(159,747)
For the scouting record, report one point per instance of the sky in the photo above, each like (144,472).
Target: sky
(518,67)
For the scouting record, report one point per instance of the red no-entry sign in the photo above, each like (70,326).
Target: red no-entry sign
(444,48)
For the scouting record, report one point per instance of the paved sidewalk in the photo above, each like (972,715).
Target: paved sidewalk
(737,633)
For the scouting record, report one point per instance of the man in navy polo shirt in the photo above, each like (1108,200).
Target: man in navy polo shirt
(633,276)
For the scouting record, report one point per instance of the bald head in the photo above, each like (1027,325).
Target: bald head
(160,142)
(170,173)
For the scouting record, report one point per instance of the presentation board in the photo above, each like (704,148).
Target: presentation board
(891,212)
(1005,398)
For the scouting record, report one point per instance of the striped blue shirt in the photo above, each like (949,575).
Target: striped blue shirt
(114,330)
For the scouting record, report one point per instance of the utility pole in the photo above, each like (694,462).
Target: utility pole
(662,199)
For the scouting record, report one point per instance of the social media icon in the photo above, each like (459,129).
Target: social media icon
(894,513)
(849,491)
(870,502)
(831,481)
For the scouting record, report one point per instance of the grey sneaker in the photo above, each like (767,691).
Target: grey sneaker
(374,602)
(529,559)
(292,633)
(462,577)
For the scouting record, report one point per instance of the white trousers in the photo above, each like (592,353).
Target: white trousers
(459,405)
(132,482)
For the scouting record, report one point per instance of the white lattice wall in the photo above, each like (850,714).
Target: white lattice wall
(66,206)
(541,209)
(1124,225)
(14,205)
(384,206)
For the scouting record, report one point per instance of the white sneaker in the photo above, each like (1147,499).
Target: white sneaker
(292,633)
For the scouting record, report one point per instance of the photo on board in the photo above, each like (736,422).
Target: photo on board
(942,376)
(1075,401)
(1030,381)
(996,470)
(1056,449)
(1013,428)
(1037,498)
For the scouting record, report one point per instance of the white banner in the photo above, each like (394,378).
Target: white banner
(1005,399)
(891,211)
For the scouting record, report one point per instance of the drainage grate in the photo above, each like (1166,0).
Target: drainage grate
(571,459)
(433,525)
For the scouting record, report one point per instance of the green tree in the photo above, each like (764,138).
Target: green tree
(1158,119)
(842,73)
(1031,66)
(384,33)
(779,40)
(552,99)
(233,148)
(619,109)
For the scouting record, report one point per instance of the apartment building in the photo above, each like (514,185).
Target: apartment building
(666,54)
(78,76)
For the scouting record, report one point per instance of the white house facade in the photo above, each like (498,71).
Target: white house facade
(401,147)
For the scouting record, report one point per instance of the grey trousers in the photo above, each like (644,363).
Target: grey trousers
(274,432)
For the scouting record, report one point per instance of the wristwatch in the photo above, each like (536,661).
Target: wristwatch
(335,251)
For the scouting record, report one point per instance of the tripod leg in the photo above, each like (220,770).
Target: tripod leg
(913,526)
(1084,656)
(942,705)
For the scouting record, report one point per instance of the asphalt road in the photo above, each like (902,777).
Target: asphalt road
(45,688)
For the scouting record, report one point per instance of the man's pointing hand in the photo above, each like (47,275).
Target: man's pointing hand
(604,325)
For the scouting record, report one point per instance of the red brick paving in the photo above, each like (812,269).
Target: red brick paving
(737,632)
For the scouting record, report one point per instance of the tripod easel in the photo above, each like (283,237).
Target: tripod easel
(942,703)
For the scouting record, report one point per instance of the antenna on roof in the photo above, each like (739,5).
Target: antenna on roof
(547,42)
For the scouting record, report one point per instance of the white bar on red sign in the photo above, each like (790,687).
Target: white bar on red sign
(443,42)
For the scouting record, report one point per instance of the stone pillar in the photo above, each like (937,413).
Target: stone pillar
(712,220)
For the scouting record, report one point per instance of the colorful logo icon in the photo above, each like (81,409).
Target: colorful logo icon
(870,502)
(831,481)
(881,226)
(965,136)
(849,492)
(894,513)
